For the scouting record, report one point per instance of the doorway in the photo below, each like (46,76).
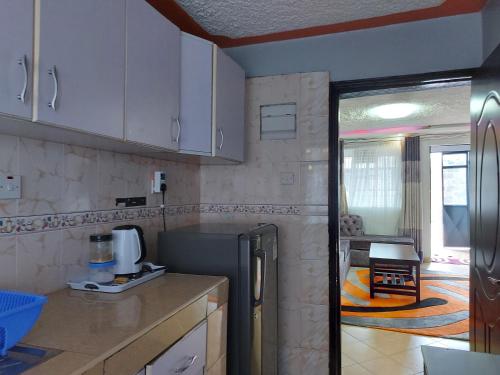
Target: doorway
(450,222)
(336,195)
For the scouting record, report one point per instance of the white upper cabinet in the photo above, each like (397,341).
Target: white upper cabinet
(81,65)
(196,95)
(229,108)
(212,101)
(153,72)
(16,57)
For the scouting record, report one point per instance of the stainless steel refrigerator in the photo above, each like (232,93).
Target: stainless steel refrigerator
(248,256)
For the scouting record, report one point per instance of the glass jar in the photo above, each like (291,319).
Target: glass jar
(102,273)
(101,249)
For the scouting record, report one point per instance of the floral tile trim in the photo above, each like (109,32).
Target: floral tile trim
(258,209)
(32,224)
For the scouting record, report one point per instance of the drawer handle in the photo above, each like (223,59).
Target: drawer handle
(191,361)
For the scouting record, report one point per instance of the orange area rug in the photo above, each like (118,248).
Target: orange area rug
(442,312)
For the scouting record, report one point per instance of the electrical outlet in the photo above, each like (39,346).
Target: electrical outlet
(287,178)
(159,179)
(10,187)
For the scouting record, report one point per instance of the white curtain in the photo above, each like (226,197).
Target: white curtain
(373,182)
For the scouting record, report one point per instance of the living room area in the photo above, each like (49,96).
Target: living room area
(404,225)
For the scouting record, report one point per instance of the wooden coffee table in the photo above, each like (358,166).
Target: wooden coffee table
(396,264)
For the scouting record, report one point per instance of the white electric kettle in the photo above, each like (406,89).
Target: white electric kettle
(129,249)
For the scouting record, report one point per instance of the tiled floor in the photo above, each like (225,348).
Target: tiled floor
(368,351)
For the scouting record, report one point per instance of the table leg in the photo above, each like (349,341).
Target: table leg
(372,278)
(417,281)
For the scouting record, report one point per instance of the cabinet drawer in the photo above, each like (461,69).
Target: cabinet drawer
(132,358)
(187,357)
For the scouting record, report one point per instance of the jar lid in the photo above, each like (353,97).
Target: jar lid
(101,237)
(102,265)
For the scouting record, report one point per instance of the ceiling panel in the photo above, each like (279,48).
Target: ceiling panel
(243,18)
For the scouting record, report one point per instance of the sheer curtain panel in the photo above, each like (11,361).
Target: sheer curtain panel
(373,182)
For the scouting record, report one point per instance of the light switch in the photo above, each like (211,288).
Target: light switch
(10,187)
(287,178)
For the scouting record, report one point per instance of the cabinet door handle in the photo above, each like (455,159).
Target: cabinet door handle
(22,62)
(178,130)
(53,73)
(191,361)
(221,139)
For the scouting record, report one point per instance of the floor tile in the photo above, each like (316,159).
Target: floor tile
(354,370)
(361,352)
(395,344)
(384,366)
(347,361)
(347,338)
(410,358)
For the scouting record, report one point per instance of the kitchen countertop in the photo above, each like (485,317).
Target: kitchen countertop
(90,327)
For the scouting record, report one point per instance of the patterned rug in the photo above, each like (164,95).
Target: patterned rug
(443,310)
(450,259)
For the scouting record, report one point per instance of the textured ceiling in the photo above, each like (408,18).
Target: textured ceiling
(243,18)
(442,108)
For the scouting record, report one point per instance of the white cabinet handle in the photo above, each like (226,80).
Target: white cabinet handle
(221,139)
(178,130)
(53,73)
(191,361)
(22,62)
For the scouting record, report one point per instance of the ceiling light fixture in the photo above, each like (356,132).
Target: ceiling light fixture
(394,111)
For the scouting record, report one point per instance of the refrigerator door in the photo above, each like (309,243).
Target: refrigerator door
(264,249)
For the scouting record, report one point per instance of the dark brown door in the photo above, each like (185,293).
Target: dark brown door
(485,207)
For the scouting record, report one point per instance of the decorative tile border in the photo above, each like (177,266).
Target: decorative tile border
(257,209)
(41,223)
(50,222)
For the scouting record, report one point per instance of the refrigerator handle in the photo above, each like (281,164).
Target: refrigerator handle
(261,255)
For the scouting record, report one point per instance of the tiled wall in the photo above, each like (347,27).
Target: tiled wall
(68,193)
(253,193)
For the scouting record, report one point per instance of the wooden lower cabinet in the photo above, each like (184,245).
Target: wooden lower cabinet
(217,341)
(219,368)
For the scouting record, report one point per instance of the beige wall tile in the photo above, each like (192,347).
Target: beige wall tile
(80,179)
(112,181)
(75,248)
(8,165)
(314,182)
(41,168)
(8,262)
(39,262)
(314,320)
(314,238)
(313,136)
(314,94)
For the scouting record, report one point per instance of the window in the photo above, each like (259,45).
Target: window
(373,183)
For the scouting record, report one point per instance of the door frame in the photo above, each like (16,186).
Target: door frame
(336,90)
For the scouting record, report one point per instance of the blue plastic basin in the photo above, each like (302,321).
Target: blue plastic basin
(18,313)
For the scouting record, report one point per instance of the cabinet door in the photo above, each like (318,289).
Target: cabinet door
(229,122)
(153,77)
(82,65)
(196,95)
(16,57)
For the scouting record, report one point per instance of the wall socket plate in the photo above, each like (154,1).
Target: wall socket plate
(160,177)
(287,178)
(10,187)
